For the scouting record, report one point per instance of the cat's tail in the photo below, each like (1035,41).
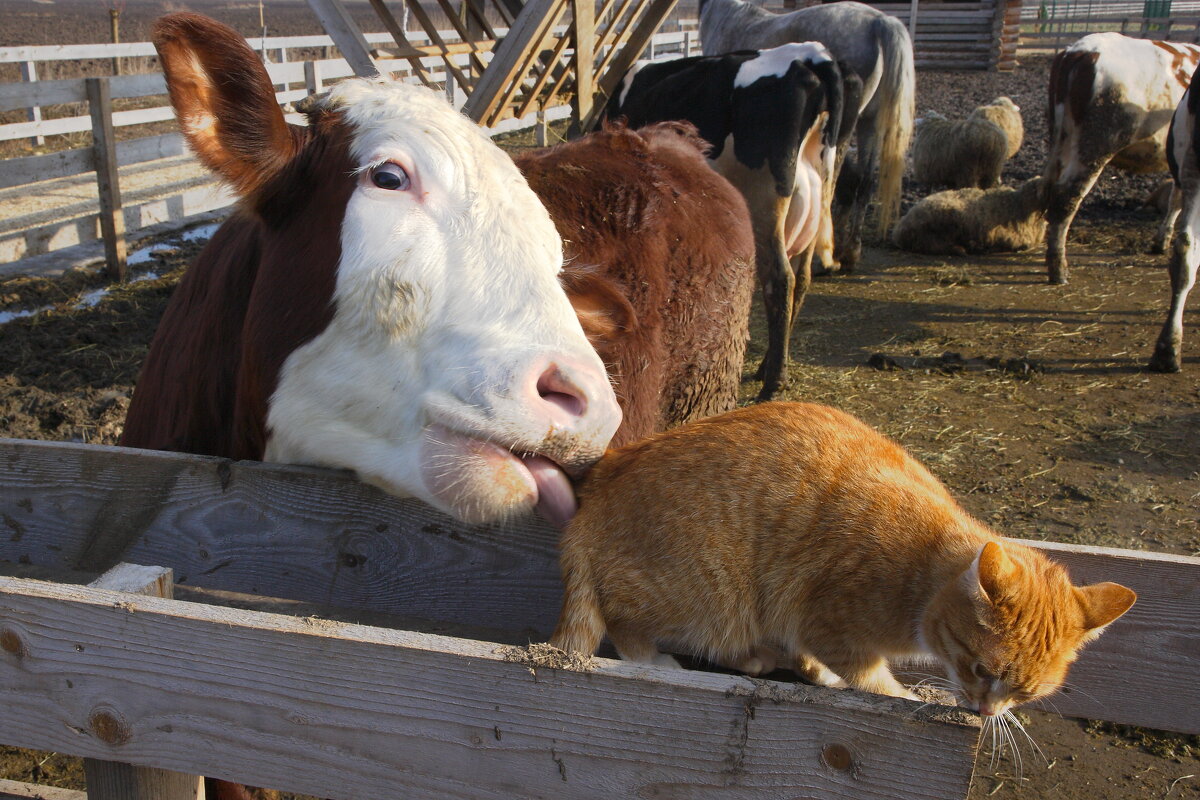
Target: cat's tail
(580,624)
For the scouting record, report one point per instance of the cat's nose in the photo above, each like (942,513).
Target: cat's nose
(986,709)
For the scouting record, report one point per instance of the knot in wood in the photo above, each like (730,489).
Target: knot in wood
(837,756)
(10,642)
(109,726)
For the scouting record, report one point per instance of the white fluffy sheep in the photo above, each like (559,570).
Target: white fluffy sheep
(964,221)
(958,154)
(1005,115)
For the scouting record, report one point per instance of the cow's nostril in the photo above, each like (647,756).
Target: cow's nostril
(559,390)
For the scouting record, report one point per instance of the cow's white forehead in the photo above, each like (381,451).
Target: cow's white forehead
(774,63)
(386,114)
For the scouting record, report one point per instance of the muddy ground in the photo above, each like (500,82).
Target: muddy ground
(1044,422)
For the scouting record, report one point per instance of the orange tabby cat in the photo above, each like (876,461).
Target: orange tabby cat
(795,529)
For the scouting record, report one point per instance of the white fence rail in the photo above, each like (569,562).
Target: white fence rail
(293,78)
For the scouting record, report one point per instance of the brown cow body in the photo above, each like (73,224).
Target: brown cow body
(660,267)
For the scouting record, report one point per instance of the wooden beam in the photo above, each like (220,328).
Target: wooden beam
(401,38)
(104,158)
(17,790)
(418,11)
(317,535)
(348,711)
(529,26)
(584,61)
(114,780)
(533,59)
(342,28)
(614,68)
(33,113)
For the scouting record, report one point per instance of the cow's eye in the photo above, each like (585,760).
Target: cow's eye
(390,176)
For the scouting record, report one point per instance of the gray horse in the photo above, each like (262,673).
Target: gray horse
(877,47)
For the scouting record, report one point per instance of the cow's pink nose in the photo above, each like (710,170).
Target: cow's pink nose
(560,390)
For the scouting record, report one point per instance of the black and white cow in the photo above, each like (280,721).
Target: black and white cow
(779,122)
(1183,156)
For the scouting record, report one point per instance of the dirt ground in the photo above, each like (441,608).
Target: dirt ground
(1043,421)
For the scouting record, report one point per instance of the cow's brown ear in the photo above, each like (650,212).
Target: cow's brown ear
(602,308)
(224,100)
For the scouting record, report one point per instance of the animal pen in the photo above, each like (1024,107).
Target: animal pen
(294,628)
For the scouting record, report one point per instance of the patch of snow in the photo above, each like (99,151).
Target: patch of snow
(204,232)
(9,316)
(92,298)
(145,254)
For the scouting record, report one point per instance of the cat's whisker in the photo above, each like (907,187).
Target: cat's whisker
(1025,733)
(1073,688)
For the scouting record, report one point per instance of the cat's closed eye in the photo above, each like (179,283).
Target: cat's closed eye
(982,672)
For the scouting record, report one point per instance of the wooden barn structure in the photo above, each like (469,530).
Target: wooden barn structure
(543,53)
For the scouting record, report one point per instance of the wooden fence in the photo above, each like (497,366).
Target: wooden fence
(294,79)
(1055,34)
(437,698)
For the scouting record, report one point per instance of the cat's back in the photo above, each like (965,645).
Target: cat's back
(754,466)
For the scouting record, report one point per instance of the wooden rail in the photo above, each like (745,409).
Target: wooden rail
(315,535)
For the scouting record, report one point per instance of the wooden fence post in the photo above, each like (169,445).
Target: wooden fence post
(312,77)
(1006,33)
(112,780)
(29,75)
(104,153)
(585,59)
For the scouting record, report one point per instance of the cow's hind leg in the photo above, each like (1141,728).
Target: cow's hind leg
(1184,258)
(1163,237)
(802,269)
(778,283)
(1064,198)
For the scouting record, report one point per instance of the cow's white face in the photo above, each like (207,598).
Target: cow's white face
(454,369)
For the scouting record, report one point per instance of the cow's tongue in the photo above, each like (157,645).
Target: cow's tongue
(556,497)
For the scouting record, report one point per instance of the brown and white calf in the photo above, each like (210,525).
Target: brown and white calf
(385,299)
(1183,153)
(660,267)
(1111,101)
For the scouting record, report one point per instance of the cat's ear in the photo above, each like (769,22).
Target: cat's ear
(994,570)
(1102,603)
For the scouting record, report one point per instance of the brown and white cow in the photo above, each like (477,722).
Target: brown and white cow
(660,267)
(1111,101)
(779,122)
(1183,153)
(385,299)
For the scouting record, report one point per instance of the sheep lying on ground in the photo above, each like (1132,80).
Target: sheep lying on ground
(970,152)
(964,221)
(1005,115)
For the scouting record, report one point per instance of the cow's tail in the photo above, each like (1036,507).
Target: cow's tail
(894,123)
(580,624)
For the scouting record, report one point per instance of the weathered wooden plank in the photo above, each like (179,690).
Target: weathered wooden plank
(346,35)
(321,536)
(347,711)
(277,530)
(114,780)
(16,790)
